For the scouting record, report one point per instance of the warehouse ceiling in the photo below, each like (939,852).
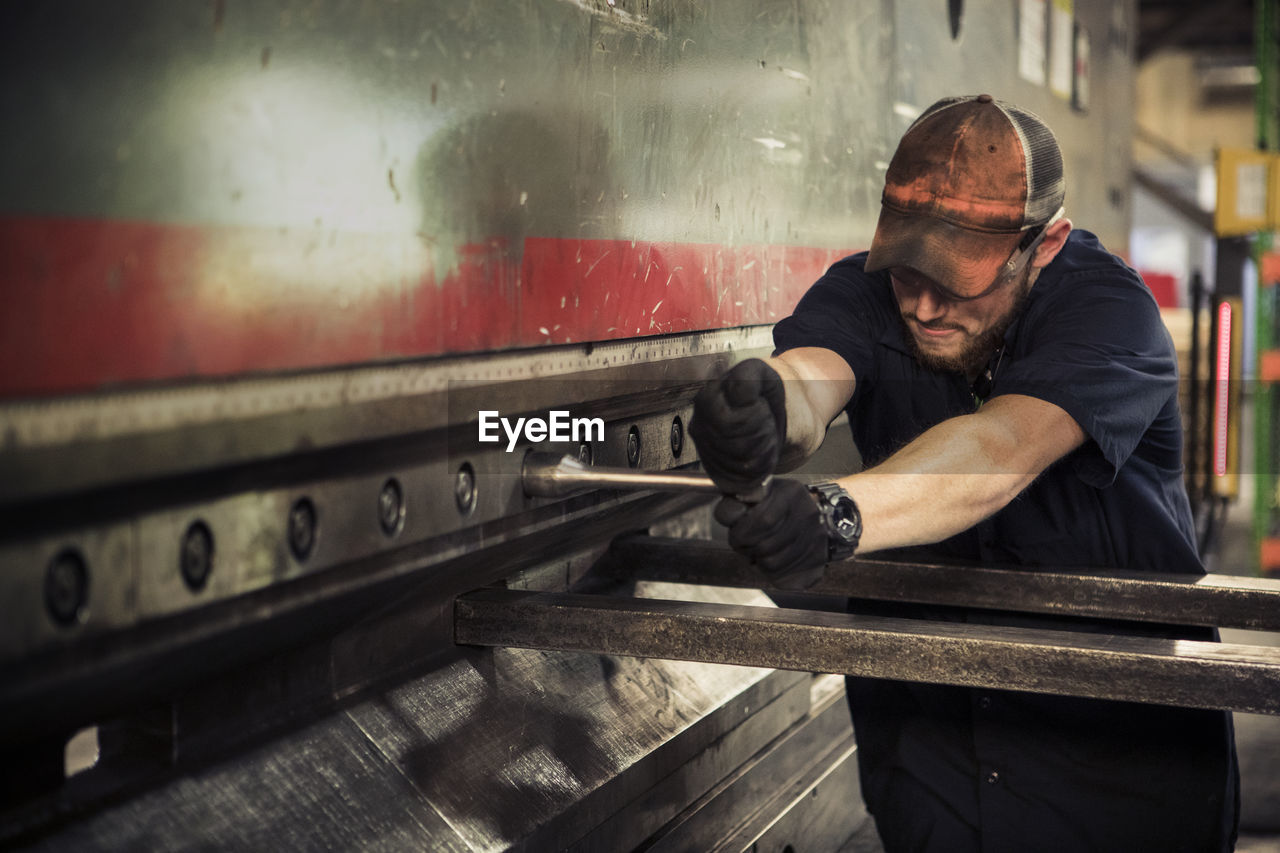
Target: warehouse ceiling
(1217,28)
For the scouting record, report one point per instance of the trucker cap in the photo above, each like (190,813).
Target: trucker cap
(970,177)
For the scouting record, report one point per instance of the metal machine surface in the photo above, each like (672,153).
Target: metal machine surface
(213,189)
(265,268)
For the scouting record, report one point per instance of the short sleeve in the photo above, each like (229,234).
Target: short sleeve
(844,311)
(1099,351)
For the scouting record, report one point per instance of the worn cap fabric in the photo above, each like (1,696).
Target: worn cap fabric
(970,177)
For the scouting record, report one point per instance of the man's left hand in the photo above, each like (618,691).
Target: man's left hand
(783,534)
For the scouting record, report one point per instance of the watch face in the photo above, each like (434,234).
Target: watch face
(840,518)
(845,516)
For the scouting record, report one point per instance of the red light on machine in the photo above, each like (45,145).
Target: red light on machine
(1222,376)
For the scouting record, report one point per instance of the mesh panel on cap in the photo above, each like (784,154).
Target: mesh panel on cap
(1046,186)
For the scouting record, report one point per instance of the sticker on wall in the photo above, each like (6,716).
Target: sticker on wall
(1031,40)
(1244,180)
(1061,48)
(1080,83)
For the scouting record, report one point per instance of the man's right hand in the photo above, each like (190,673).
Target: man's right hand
(739,425)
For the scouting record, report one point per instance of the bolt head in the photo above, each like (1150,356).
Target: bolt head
(66,587)
(633,447)
(302,528)
(391,507)
(464,488)
(195,557)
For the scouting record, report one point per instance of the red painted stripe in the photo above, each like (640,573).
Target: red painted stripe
(94,303)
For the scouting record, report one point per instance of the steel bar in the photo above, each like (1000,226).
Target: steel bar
(1224,601)
(550,475)
(1138,669)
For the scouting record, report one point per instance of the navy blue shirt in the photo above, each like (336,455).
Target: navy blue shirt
(958,769)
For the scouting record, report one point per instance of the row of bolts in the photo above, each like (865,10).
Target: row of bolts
(66,587)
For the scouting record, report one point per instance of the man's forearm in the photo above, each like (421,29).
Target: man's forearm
(959,472)
(941,484)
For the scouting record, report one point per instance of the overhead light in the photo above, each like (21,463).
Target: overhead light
(1228,74)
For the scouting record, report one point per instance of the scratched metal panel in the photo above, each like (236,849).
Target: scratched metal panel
(537,750)
(467,122)
(324,787)
(217,188)
(210,189)
(509,750)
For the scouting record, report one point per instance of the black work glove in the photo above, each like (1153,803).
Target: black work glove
(783,534)
(739,423)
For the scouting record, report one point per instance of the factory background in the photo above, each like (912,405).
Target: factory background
(263,264)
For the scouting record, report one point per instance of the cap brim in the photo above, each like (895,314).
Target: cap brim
(959,259)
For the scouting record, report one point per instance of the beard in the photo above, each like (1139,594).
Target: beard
(977,349)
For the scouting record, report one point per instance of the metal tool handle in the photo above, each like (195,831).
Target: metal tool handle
(548,475)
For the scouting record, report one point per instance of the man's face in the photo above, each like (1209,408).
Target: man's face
(957,334)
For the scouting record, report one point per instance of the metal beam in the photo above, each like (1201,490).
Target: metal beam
(1178,203)
(1213,600)
(1189,24)
(1135,669)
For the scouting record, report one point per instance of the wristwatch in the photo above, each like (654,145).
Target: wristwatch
(840,518)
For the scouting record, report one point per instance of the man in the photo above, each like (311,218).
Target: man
(1013,393)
